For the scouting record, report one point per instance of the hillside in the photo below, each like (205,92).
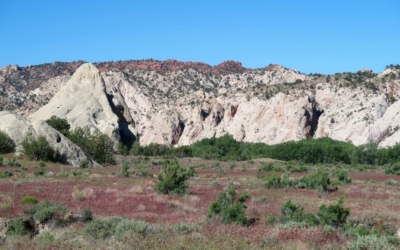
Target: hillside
(177,103)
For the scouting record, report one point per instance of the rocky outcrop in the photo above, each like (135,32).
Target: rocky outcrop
(178,103)
(169,66)
(17,128)
(83,102)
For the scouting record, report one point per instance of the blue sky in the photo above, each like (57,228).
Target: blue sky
(310,36)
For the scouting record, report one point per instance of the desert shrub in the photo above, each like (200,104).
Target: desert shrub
(228,208)
(87,215)
(45,238)
(292,224)
(124,169)
(29,200)
(7,145)
(46,211)
(62,175)
(371,242)
(342,175)
(40,172)
(101,229)
(143,171)
(6,174)
(59,124)
(1,161)
(126,226)
(77,173)
(291,167)
(96,145)
(273,181)
(184,228)
(318,179)
(295,213)
(173,179)
(84,164)
(38,149)
(13,163)
(394,169)
(333,215)
(268,167)
(16,228)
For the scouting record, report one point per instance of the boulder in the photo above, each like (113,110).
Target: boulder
(17,127)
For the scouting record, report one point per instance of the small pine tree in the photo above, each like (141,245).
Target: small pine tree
(173,179)
(229,208)
(333,215)
(7,145)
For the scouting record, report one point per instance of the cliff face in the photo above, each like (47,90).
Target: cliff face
(178,103)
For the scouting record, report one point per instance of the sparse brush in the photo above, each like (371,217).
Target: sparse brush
(229,208)
(16,227)
(87,215)
(45,211)
(29,200)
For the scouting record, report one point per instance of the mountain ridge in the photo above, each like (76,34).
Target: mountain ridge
(168,102)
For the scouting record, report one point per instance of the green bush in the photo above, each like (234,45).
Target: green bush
(342,175)
(118,227)
(173,179)
(295,213)
(273,181)
(96,145)
(184,228)
(61,125)
(268,167)
(7,145)
(84,164)
(318,179)
(45,238)
(371,242)
(333,215)
(229,208)
(42,164)
(87,215)
(16,228)
(78,174)
(101,229)
(40,172)
(124,169)
(46,211)
(126,226)
(394,169)
(29,200)
(6,174)
(13,163)
(143,171)
(38,149)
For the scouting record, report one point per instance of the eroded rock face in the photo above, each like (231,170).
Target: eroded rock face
(176,103)
(83,102)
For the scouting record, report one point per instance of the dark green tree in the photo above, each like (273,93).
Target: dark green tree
(229,208)
(7,145)
(61,125)
(173,179)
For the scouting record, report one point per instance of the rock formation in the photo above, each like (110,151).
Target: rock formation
(83,102)
(177,103)
(17,128)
